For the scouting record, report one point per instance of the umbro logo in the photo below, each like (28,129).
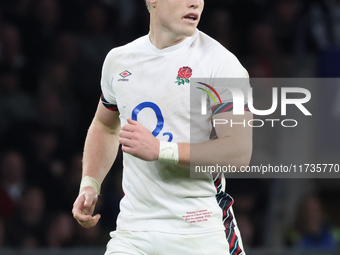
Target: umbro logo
(124,74)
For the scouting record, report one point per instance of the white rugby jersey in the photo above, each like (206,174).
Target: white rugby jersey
(148,85)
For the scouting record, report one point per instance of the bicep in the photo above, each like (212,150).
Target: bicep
(233,126)
(107,119)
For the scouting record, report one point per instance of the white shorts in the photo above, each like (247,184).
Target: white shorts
(152,243)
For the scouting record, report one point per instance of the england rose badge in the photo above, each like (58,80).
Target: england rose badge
(183,76)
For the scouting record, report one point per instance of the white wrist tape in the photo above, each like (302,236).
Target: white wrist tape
(168,152)
(88,181)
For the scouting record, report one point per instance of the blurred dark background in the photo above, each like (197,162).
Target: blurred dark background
(51,53)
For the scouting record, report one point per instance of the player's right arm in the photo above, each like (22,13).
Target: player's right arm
(100,150)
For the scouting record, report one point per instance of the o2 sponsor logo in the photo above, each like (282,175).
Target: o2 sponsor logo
(159,115)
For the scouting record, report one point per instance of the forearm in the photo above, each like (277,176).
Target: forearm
(100,150)
(222,151)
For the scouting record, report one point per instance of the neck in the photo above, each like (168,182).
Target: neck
(162,38)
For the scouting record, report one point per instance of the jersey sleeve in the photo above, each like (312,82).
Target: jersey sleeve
(108,96)
(111,107)
(234,82)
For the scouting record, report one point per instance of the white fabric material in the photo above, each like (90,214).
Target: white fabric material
(88,181)
(160,196)
(150,242)
(168,152)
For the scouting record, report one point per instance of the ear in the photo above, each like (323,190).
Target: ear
(152,3)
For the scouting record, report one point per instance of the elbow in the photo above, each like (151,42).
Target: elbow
(245,161)
(244,158)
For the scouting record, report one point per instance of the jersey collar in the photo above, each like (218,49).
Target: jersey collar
(169,50)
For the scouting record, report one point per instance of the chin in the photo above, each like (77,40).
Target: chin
(189,32)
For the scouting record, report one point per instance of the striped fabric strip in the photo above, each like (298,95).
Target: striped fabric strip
(226,107)
(213,134)
(109,106)
(225,201)
(234,247)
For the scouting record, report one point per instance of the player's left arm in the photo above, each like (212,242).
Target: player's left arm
(233,146)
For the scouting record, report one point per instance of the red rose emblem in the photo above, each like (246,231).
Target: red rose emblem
(183,75)
(185,72)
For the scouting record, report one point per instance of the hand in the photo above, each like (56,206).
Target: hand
(138,141)
(84,206)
